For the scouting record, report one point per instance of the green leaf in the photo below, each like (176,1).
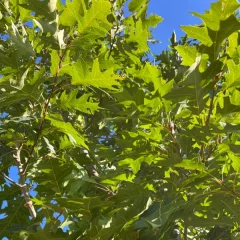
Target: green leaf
(227,106)
(232,49)
(87,203)
(66,128)
(199,33)
(135,5)
(31,90)
(192,88)
(19,84)
(42,8)
(54,62)
(148,73)
(152,21)
(95,20)
(92,22)
(125,216)
(190,165)
(151,74)
(234,98)
(71,12)
(135,164)
(227,27)
(46,27)
(188,53)
(70,101)
(21,44)
(233,77)
(81,75)
(219,11)
(159,213)
(25,15)
(137,35)
(7,61)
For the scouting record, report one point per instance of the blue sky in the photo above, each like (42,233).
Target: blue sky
(175,13)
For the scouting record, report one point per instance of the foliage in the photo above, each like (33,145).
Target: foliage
(107,144)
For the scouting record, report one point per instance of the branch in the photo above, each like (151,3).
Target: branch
(22,181)
(114,36)
(112,42)
(201,153)
(45,108)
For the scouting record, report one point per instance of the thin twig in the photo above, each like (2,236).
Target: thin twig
(10,180)
(104,188)
(58,216)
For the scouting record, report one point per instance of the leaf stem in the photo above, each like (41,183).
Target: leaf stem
(210,108)
(201,153)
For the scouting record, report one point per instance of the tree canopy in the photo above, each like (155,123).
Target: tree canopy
(111,141)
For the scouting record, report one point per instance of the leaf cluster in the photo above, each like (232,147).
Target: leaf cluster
(113,143)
